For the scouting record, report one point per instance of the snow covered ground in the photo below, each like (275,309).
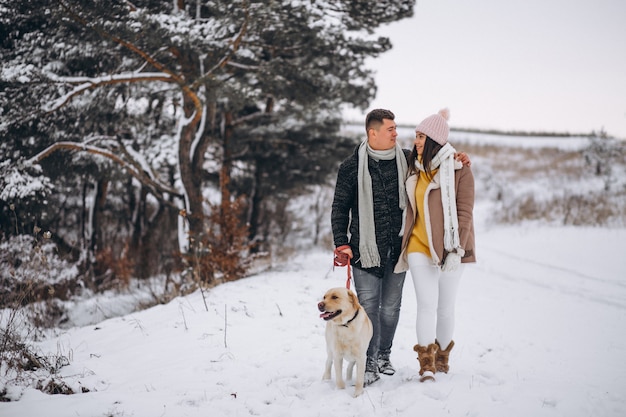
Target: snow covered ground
(539,333)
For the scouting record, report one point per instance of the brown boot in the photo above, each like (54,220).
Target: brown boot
(426,357)
(441,359)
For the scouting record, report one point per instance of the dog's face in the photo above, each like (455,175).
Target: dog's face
(339,304)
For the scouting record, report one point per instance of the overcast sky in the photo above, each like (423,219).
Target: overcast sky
(533,65)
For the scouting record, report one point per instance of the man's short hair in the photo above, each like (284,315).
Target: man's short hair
(375,118)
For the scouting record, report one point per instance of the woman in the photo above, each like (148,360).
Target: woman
(438,238)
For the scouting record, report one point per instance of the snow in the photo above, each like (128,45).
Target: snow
(538,321)
(18,183)
(20,72)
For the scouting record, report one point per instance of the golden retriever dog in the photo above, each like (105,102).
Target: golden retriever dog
(348,334)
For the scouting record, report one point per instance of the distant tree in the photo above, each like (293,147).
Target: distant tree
(602,154)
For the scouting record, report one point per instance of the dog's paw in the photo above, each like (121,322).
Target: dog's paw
(358,391)
(341,385)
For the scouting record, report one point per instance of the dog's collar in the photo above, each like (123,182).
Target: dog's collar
(348,322)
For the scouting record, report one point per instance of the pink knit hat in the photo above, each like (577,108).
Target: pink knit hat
(436,126)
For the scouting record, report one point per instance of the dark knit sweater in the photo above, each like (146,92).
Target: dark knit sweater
(387,213)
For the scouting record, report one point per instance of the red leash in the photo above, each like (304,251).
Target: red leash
(342,259)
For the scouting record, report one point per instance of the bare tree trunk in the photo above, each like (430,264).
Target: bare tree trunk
(99,202)
(226,159)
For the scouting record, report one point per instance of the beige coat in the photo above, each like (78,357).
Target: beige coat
(464,187)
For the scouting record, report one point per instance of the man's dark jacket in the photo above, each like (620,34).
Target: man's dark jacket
(387,212)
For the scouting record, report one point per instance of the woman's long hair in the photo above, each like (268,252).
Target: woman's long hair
(430,150)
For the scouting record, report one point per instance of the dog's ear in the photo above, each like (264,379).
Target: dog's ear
(354,300)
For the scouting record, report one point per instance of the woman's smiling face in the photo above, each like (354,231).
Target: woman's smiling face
(420,140)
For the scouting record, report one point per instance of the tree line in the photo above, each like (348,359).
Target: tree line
(150,136)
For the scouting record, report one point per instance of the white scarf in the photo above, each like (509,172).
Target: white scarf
(367,229)
(445,160)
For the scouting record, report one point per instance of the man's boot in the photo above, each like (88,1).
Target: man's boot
(441,358)
(371,371)
(384,364)
(426,358)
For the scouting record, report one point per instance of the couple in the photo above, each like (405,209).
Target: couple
(400,210)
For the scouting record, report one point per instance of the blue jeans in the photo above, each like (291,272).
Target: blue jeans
(381,299)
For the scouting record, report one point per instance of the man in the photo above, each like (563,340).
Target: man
(367,219)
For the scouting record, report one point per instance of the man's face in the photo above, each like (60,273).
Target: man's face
(384,137)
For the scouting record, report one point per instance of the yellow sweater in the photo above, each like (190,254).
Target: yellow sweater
(418,242)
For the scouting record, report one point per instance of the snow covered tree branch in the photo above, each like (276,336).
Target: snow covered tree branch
(88,83)
(130,166)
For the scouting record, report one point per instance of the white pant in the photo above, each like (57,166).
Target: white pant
(435,292)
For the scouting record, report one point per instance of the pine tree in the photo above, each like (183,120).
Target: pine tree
(163,99)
